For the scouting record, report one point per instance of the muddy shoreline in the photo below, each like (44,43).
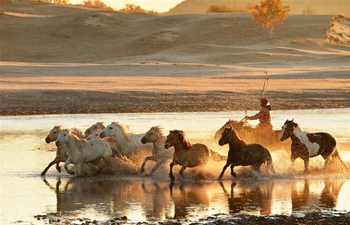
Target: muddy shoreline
(39,102)
(302,219)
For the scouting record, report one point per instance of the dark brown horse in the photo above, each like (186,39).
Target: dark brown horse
(306,145)
(241,154)
(188,155)
(251,135)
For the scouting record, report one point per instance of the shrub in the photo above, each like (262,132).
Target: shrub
(270,14)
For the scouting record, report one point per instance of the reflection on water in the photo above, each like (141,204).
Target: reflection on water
(24,193)
(148,200)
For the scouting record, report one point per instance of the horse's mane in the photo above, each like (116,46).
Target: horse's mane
(235,123)
(78,142)
(158,130)
(58,127)
(239,140)
(294,124)
(186,144)
(77,132)
(124,129)
(102,124)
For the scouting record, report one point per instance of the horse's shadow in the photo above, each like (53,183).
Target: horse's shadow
(257,194)
(185,195)
(302,197)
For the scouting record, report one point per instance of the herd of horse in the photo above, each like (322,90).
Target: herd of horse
(100,143)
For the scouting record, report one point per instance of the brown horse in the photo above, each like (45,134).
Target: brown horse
(241,154)
(252,135)
(186,154)
(306,145)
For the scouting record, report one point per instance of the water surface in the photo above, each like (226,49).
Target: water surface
(24,154)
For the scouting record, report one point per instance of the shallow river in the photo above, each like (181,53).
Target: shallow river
(24,154)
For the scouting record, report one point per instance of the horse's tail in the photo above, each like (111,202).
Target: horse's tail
(216,156)
(269,161)
(336,155)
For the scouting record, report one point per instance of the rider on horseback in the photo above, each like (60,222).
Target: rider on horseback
(264,117)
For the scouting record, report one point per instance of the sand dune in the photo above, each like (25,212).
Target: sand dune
(78,48)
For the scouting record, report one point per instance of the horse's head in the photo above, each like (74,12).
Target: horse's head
(109,130)
(152,135)
(174,137)
(287,129)
(94,127)
(227,136)
(95,135)
(234,124)
(62,137)
(116,130)
(53,134)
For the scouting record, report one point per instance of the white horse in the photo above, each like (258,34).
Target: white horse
(97,128)
(96,135)
(127,143)
(61,152)
(94,127)
(82,151)
(159,153)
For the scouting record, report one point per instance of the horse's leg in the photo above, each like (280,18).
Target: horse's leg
(256,166)
(80,169)
(55,161)
(60,159)
(58,168)
(144,163)
(68,161)
(116,153)
(61,156)
(184,166)
(223,170)
(306,164)
(232,172)
(292,160)
(327,161)
(160,162)
(172,177)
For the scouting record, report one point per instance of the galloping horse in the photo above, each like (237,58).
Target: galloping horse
(99,126)
(159,153)
(94,127)
(127,143)
(251,135)
(306,145)
(96,135)
(61,152)
(82,151)
(241,154)
(186,154)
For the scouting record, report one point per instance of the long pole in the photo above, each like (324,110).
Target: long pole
(266,82)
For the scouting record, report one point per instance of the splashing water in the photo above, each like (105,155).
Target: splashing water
(24,155)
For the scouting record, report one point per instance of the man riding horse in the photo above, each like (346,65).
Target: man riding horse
(264,127)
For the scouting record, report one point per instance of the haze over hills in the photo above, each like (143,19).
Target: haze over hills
(341,7)
(75,59)
(59,33)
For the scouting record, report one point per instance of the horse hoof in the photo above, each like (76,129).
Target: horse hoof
(42,174)
(172,177)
